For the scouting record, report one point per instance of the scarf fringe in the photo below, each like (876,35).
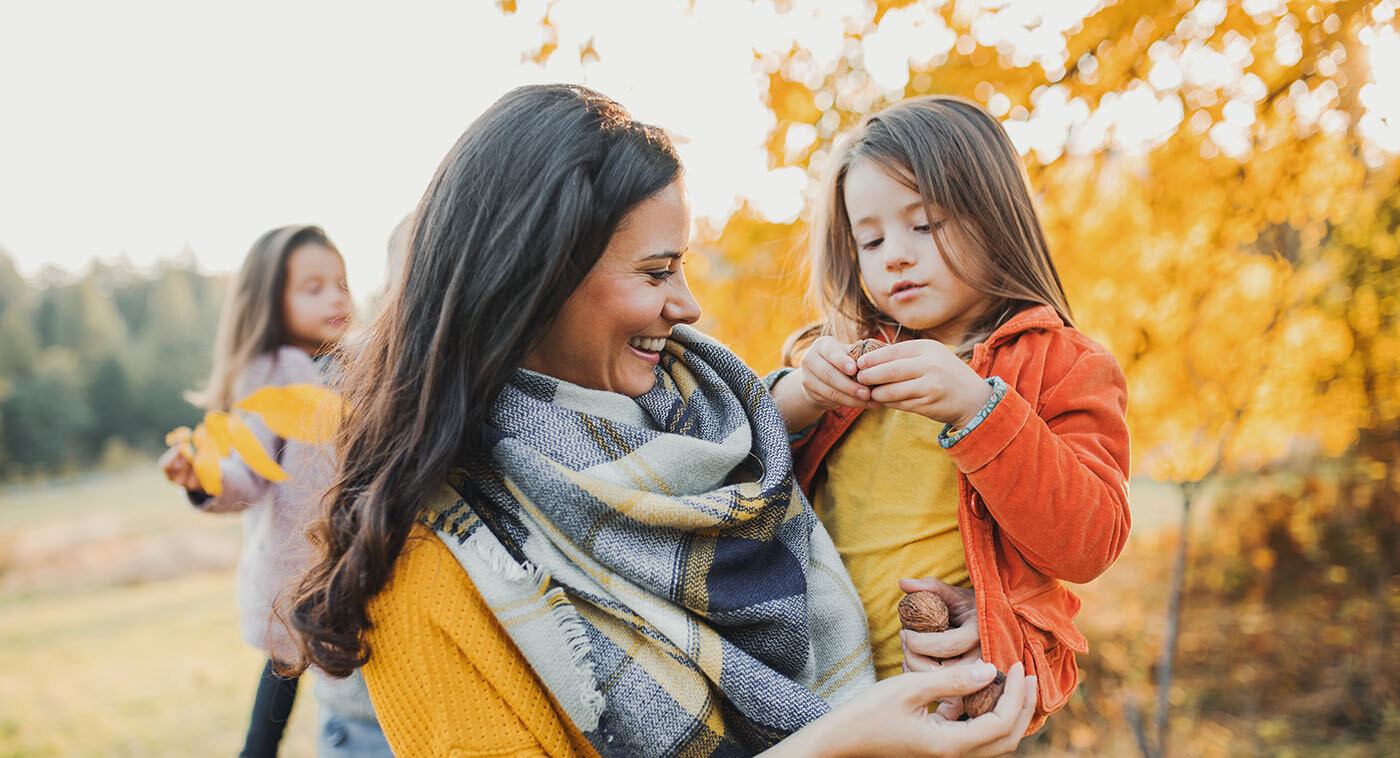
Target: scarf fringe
(529,578)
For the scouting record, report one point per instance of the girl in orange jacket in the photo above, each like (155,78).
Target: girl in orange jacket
(985,446)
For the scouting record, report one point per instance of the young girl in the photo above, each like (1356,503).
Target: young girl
(986,445)
(286,310)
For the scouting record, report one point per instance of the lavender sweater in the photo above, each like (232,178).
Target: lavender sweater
(275,515)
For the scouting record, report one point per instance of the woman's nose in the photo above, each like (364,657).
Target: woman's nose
(681,306)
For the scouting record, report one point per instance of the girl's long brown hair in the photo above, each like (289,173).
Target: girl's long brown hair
(251,321)
(519,211)
(960,159)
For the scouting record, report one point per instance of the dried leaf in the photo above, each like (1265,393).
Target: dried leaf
(217,424)
(252,452)
(206,462)
(302,412)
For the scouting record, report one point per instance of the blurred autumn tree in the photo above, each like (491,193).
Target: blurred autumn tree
(1223,215)
(1219,183)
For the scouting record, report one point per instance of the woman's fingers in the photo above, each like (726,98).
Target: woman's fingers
(922,687)
(1012,714)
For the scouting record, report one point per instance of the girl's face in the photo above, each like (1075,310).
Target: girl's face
(610,332)
(899,259)
(315,298)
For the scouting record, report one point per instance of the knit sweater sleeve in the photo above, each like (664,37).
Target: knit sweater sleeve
(241,485)
(444,675)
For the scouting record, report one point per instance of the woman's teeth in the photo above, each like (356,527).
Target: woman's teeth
(654,344)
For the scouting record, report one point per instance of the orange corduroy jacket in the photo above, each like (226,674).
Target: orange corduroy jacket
(1042,492)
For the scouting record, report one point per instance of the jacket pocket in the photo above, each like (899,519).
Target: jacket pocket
(1046,615)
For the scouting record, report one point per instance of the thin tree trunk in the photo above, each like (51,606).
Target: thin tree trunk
(1164,666)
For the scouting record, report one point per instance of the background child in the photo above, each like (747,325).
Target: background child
(287,309)
(987,445)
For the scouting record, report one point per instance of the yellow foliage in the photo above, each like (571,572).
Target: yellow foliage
(246,443)
(206,461)
(303,412)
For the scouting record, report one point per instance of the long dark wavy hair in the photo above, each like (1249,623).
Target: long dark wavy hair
(519,211)
(958,158)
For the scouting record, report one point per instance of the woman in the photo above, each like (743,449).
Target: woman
(565,522)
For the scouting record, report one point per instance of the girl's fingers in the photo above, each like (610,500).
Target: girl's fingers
(957,598)
(822,374)
(949,644)
(890,353)
(834,353)
(896,392)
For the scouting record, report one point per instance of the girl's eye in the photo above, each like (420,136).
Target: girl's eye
(926,228)
(871,244)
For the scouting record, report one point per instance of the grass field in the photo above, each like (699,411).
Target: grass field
(119,625)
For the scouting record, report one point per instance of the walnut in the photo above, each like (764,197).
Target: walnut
(923,611)
(985,699)
(861,347)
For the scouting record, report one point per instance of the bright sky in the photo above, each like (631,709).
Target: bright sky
(144,128)
(149,127)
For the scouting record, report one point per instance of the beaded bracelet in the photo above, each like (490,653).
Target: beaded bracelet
(950,437)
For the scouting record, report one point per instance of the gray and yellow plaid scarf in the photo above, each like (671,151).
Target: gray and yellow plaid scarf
(656,563)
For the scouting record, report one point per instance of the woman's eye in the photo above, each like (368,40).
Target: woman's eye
(661,275)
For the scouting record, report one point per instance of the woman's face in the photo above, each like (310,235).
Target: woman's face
(610,331)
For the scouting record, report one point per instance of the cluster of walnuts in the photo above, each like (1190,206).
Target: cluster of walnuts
(926,612)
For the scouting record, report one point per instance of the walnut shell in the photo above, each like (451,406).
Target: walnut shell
(861,347)
(985,699)
(923,611)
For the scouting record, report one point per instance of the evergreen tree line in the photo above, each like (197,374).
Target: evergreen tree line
(94,366)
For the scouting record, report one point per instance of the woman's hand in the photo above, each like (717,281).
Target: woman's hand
(179,470)
(892,718)
(926,651)
(924,377)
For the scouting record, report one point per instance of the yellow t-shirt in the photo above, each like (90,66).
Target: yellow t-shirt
(888,494)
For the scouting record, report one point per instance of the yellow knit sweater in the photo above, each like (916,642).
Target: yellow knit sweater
(444,675)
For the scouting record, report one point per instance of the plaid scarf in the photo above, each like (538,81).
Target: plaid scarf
(654,560)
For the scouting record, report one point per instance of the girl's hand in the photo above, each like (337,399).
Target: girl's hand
(924,377)
(827,373)
(179,470)
(926,651)
(892,718)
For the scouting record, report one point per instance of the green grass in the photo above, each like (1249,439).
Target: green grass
(123,640)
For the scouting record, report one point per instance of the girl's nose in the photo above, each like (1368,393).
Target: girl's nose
(898,255)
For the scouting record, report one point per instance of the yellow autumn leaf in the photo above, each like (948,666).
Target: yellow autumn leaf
(181,437)
(206,462)
(302,412)
(246,443)
(217,424)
